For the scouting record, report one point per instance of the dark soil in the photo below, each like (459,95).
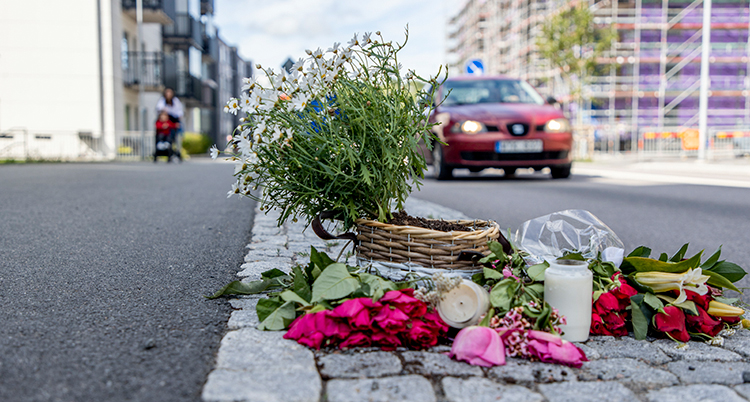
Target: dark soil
(402,218)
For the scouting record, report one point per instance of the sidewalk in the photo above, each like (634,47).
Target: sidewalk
(259,366)
(730,173)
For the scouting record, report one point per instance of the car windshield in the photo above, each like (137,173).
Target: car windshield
(471,92)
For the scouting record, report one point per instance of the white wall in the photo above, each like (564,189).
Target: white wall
(49,66)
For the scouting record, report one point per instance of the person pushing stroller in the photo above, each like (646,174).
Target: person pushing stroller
(165,134)
(171,104)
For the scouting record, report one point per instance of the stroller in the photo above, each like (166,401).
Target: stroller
(163,146)
(166,136)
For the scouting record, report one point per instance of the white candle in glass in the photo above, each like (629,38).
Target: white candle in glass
(464,305)
(568,285)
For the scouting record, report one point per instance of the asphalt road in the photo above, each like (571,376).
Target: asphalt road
(660,216)
(102,272)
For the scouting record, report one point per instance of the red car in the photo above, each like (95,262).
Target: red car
(498,122)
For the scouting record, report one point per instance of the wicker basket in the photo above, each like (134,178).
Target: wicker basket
(433,249)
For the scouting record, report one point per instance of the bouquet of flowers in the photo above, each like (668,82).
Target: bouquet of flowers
(338,133)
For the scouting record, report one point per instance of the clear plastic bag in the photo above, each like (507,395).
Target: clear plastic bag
(574,230)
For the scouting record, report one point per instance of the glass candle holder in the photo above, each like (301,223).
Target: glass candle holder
(568,287)
(464,305)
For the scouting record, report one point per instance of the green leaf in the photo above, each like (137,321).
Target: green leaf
(265,307)
(680,253)
(378,286)
(487,317)
(536,289)
(641,264)
(490,273)
(536,272)
(729,270)
(641,251)
(363,291)
(478,278)
(300,285)
(280,318)
(321,259)
(334,282)
(290,296)
(712,259)
(640,322)
(317,308)
(244,288)
(272,273)
(719,280)
(688,306)
(497,249)
(727,300)
(653,301)
(663,257)
(573,256)
(501,295)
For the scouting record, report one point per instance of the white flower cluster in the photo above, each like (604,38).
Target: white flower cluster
(307,86)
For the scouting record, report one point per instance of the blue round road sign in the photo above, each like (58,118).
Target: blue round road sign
(475,67)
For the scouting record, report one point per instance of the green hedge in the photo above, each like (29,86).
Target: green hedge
(196,143)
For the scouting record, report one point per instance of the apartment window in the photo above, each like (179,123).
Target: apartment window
(127,117)
(195,60)
(124,51)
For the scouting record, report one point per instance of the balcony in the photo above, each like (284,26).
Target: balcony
(145,68)
(158,11)
(186,87)
(185,30)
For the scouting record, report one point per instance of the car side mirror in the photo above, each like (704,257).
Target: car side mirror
(551,100)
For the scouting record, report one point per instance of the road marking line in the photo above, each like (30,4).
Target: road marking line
(662,178)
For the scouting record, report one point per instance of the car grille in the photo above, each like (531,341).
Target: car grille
(494,156)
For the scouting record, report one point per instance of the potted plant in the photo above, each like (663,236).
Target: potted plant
(338,137)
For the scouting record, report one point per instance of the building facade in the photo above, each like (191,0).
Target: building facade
(647,86)
(79,81)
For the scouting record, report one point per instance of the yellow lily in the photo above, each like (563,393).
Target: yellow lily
(718,309)
(692,279)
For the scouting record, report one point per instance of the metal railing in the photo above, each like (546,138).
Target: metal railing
(23,145)
(185,27)
(144,67)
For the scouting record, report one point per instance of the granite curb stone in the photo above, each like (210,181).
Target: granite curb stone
(482,389)
(359,365)
(695,393)
(409,388)
(256,365)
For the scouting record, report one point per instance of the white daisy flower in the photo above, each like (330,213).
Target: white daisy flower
(214,152)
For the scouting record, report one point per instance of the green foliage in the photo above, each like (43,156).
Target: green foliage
(352,149)
(196,143)
(321,285)
(572,42)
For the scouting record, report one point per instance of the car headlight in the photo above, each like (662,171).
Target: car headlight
(557,126)
(469,127)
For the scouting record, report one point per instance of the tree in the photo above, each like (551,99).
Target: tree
(572,42)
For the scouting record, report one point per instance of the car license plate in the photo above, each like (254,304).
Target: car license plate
(519,146)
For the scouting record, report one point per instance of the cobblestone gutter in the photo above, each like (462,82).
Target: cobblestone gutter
(260,366)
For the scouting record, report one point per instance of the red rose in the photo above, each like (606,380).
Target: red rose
(356,339)
(606,303)
(700,301)
(357,312)
(672,322)
(317,329)
(704,323)
(597,326)
(391,319)
(615,324)
(421,335)
(385,340)
(433,320)
(623,294)
(731,320)
(405,301)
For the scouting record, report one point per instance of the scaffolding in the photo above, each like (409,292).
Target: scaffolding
(649,80)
